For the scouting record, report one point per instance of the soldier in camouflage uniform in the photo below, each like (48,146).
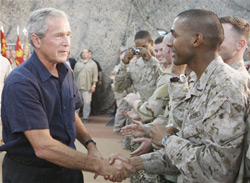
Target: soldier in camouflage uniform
(236,31)
(143,69)
(153,111)
(141,73)
(153,107)
(209,145)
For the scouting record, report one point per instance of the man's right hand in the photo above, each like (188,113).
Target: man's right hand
(127,56)
(134,130)
(131,98)
(119,168)
(145,147)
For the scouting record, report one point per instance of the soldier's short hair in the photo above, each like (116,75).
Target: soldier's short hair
(240,25)
(205,22)
(143,35)
(158,40)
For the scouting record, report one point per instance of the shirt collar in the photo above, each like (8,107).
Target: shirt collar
(200,84)
(238,64)
(42,71)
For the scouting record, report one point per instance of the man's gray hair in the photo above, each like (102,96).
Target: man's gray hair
(37,22)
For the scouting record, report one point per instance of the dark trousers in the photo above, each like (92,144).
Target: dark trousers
(16,172)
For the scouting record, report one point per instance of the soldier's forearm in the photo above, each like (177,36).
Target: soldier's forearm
(137,162)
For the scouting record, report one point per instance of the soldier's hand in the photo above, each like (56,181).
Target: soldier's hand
(145,53)
(134,130)
(127,56)
(145,147)
(133,115)
(158,132)
(131,98)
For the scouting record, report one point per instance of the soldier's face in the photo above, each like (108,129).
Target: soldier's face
(158,48)
(145,44)
(228,48)
(180,42)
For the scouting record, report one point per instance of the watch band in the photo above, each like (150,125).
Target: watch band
(180,79)
(89,141)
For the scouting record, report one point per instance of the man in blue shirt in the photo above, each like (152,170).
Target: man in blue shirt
(38,113)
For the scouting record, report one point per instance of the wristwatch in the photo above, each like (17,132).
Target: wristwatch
(89,141)
(164,140)
(180,79)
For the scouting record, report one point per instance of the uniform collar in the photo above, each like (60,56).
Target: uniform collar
(237,65)
(200,84)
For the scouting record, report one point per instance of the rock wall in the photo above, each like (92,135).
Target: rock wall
(104,25)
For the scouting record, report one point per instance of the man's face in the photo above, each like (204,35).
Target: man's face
(13,53)
(158,48)
(85,54)
(8,55)
(55,45)
(228,47)
(90,54)
(180,42)
(145,44)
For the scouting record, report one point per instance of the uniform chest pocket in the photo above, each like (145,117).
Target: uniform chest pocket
(193,126)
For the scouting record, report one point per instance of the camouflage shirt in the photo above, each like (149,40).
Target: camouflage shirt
(244,172)
(209,146)
(139,73)
(157,103)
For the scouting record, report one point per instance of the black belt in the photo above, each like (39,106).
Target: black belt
(31,161)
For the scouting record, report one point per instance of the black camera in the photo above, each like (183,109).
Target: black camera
(136,51)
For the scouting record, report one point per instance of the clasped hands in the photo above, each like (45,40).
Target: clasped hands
(116,169)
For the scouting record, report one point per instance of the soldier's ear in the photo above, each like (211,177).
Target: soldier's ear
(197,40)
(241,44)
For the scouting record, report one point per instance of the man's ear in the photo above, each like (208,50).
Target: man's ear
(197,39)
(241,44)
(36,40)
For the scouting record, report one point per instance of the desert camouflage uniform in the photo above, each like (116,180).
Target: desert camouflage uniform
(164,119)
(141,74)
(156,104)
(209,146)
(244,172)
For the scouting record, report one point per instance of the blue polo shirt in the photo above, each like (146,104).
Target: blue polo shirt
(32,98)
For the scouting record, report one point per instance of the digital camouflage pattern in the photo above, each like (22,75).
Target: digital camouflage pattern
(149,110)
(209,145)
(140,74)
(245,163)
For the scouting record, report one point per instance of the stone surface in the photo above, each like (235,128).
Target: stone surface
(104,25)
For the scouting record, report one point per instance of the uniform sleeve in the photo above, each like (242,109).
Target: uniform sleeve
(177,93)
(217,156)
(154,106)
(158,163)
(122,79)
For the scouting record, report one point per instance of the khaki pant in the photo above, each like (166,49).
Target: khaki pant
(87,97)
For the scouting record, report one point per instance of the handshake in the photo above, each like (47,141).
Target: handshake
(117,168)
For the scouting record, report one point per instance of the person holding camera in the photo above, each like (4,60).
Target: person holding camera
(143,70)
(139,68)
